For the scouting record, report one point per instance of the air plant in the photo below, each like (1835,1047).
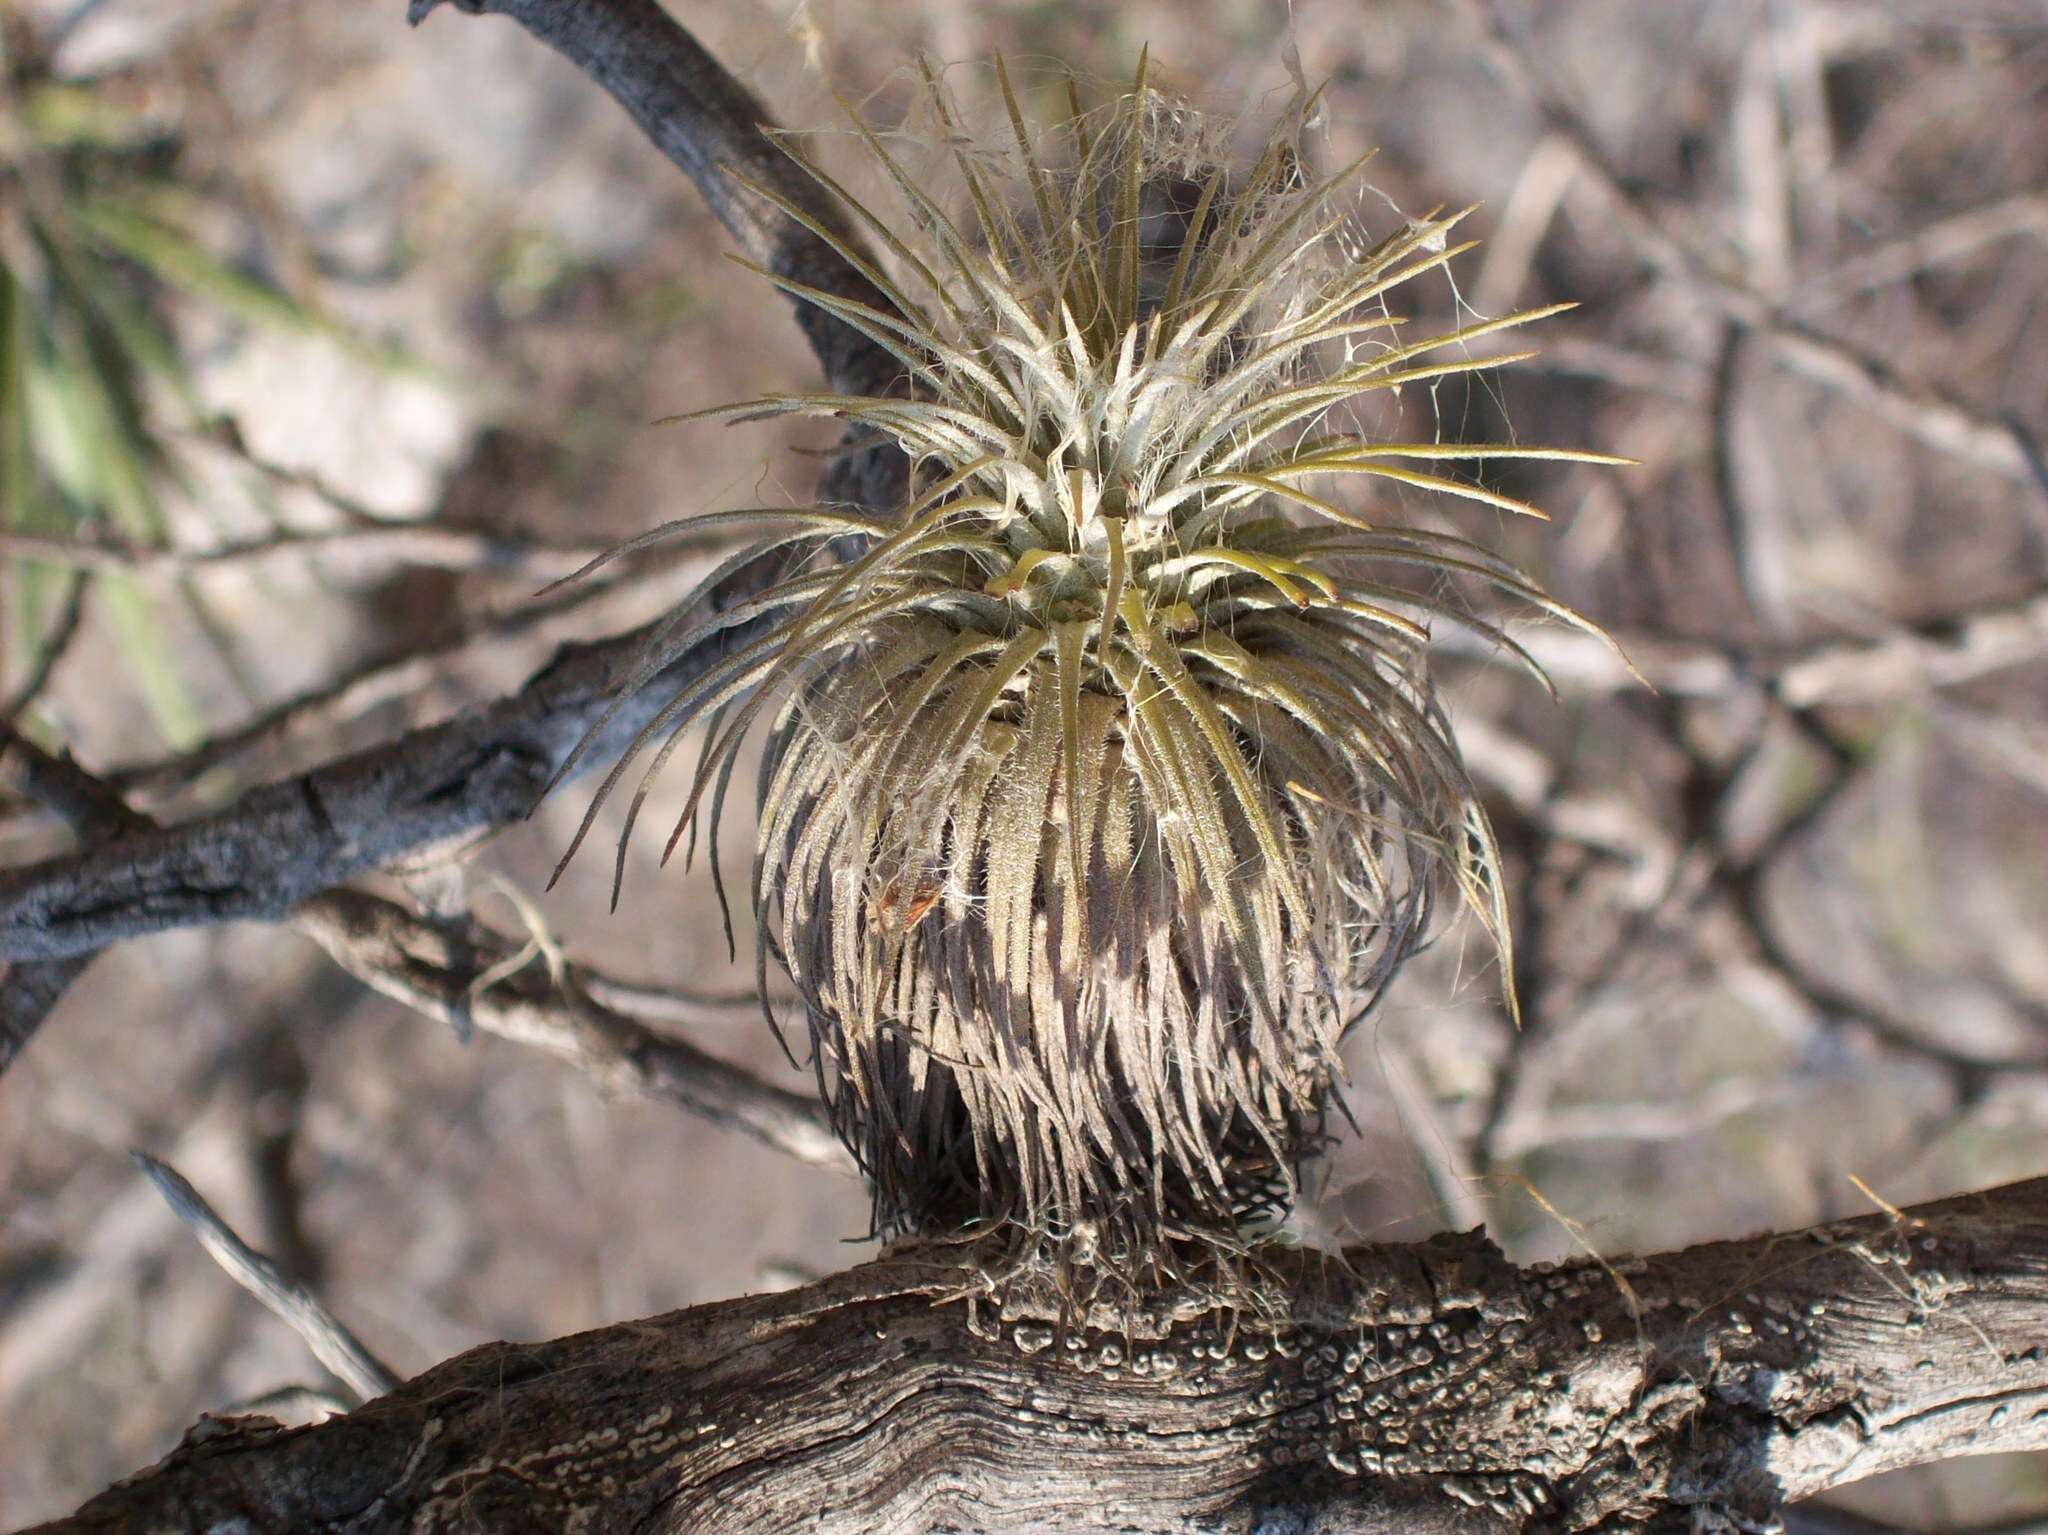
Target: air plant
(1104,784)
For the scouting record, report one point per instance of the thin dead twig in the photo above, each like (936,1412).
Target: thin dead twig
(375,681)
(426,545)
(338,1349)
(670,1004)
(92,809)
(70,619)
(459,973)
(1646,1120)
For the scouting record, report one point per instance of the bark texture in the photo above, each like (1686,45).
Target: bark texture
(1420,1389)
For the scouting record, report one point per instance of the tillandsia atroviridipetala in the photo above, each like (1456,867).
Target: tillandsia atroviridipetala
(1104,783)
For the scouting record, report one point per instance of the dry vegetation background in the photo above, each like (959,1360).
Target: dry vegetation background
(1785,923)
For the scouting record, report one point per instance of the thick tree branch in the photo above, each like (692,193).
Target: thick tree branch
(465,976)
(1421,1389)
(458,972)
(281,844)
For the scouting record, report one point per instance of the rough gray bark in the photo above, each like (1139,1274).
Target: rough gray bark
(280,844)
(30,991)
(1419,1389)
(459,972)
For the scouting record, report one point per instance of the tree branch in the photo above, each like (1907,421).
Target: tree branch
(1433,1388)
(711,126)
(291,1302)
(283,843)
(31,989)
(455,971)
(462,975)
(279,845)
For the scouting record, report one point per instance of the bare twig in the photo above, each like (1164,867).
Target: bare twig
(375,681)
(93,810)
(669,1004)
(293,1304)
(69,620)
(1645,1120)
(428,545)
(1944,424)
(1526,217)
(1580,354)
(459,973)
